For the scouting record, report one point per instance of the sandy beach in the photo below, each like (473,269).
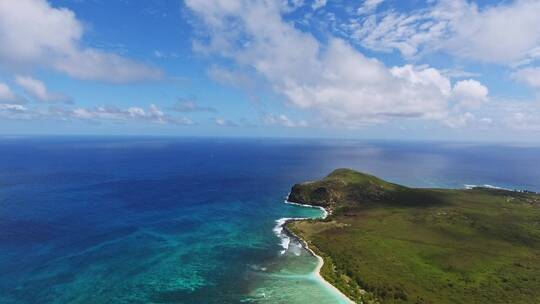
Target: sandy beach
(317,270)
(317,273)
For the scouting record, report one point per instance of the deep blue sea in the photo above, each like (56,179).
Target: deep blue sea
(169,220)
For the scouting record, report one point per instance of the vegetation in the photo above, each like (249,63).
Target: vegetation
(386,243)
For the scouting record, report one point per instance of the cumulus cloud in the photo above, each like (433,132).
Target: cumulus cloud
(469,93)
(335,80)
(506,33)
(39,91)
(34,33)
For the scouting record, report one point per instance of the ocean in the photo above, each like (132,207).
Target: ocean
(194,220)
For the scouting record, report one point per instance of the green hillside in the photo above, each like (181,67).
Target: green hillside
(386,243)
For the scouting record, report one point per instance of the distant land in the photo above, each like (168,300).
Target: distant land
(387,243)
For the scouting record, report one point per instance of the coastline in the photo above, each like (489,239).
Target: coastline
(282,227)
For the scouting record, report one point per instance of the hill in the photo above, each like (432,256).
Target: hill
(387,243)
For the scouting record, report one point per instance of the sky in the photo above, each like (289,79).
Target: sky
(377,69)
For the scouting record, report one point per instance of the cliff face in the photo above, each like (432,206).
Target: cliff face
(316,195)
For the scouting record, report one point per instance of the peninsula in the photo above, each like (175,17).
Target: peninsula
(387,243)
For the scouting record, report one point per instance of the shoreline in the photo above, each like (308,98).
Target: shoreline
(282,227)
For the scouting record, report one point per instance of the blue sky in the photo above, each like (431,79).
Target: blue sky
(447,69)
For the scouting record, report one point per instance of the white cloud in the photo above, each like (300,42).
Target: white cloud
(33,33)
(152,114)
(459,121)
(368,6)
(222,122)
(506,33)
(522,122)
(390,30)
(469,93)
(335,80)
(283,121)
(6,94)
(12,107)
(13,111)
(529,76)
(317,4)
(98,114)
(504,115)
(38,90)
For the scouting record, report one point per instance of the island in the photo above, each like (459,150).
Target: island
(387,243)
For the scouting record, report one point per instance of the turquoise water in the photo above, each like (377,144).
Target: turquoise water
(291,276)
(161,220)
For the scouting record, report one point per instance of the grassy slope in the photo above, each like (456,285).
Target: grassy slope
(405,245)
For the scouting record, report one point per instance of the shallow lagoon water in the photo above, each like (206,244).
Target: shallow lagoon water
(161,220)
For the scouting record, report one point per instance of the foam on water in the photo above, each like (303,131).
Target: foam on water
(279,231)
(324,211)
(293,261)
(469,187)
